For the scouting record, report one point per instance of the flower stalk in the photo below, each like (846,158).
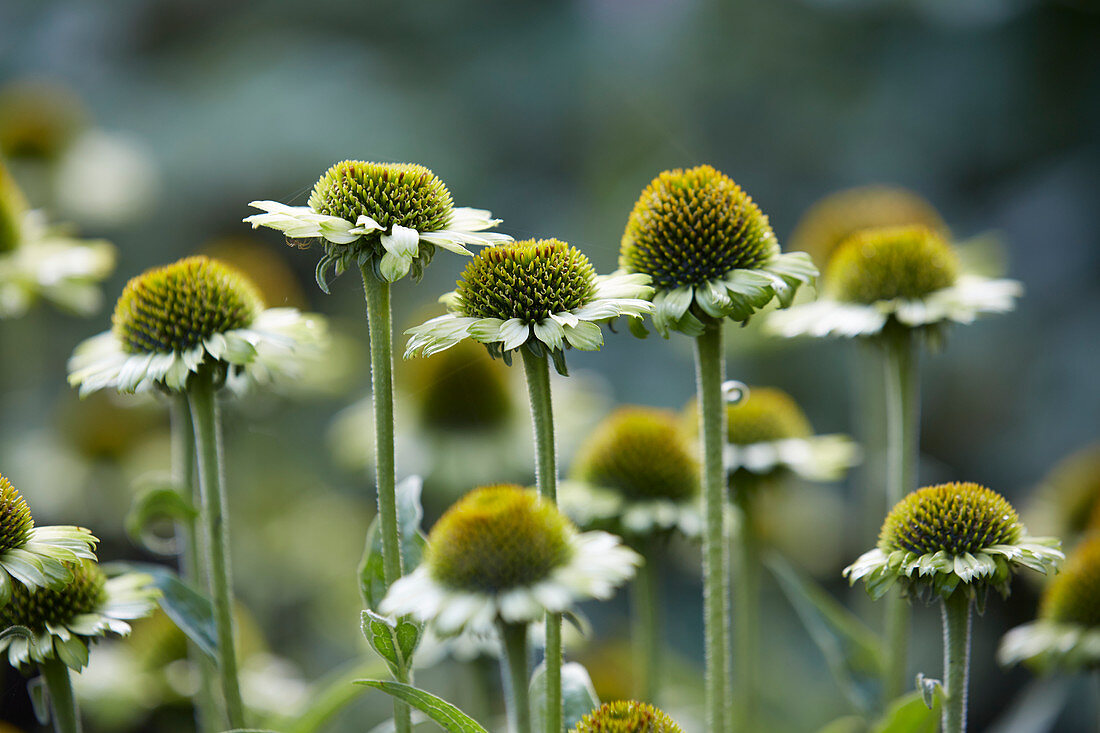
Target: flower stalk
(66,715)
(215,519)
(902,380)
(380,323)
(956,660)
(746,626)
(645,604)
(710,369)
(190,560)
(514,672)
(537,370)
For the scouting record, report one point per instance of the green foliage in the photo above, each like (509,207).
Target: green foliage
(190,609)
(158,499)
(578,696)
(446,715)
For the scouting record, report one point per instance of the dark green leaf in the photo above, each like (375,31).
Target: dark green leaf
(578,696)
(852,651)
(394,641)
(446,715)
(188,608)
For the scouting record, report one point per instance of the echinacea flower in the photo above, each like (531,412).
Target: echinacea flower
(834,218)
(503,554)
(35,557)
(709,250)
(543,295)
(64,621)
(627,716)
(386,217)
(1066,636)
(1066,503)
(39,260)
(909,276)
(767,434)
(174,321)
(636,475)
(952,536)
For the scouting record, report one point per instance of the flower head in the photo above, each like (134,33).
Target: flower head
(839,215)
(197,313)
(38,120)
(637,474)
(709,250)
(540,294)
(504,553)
(38,260)
(35,557)
(462,391)
(63,621)
(907,276)
(387,217)
(1067,633)
(627,716)
(949,536)
(1067,501)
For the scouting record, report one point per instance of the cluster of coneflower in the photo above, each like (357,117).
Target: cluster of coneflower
(506,563)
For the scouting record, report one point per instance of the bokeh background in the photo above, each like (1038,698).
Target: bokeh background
(553,115)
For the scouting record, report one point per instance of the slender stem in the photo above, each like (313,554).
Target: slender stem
(647,625)
(709,369)
(746,619)
(902,380)
(956,660)
(537,369)
(380,323)
(1096,684)
(514,672)
(215,517)
(183,468)
(66,715)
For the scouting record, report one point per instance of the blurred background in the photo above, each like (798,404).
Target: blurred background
(153,123)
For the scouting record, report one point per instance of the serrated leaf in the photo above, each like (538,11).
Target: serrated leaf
(372,576)
(190,609)
(158,499)
(443,713)
(852,650)
(394,641)
(909,714)
(578,695)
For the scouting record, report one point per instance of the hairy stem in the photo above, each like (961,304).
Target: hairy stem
(66,715)
(215,519)
(902,382)
(647,625)
(537,369)
(956,660)
(746,619)
(709,369)
(380,323)
(183,469)
(514,672)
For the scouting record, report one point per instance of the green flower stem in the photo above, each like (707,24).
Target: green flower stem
(537,369)
(746,619)
(214,512)
(902,382)
(647,624)
(956,660)
(514,672)
(66,715)
(380,323)
(183,468)
(709,369)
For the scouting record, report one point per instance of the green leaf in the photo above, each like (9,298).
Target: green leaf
(852,651)
(188,608)
(158,499)
(394,641)
(909,714)
(39,694)
(578,696)
(847,724)
(931,690)
(328,696)
(446,715)
(372,576)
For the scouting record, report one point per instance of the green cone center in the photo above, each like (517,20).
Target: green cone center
(955,518)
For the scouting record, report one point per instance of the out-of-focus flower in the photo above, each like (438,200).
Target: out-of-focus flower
(38,260)
(709,251)
(908,276)
(504,554)
(64,621)
(197,313)
(106,179)
(1066,503)
(539,294)
(38,119)
(952,536)
(386,217)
